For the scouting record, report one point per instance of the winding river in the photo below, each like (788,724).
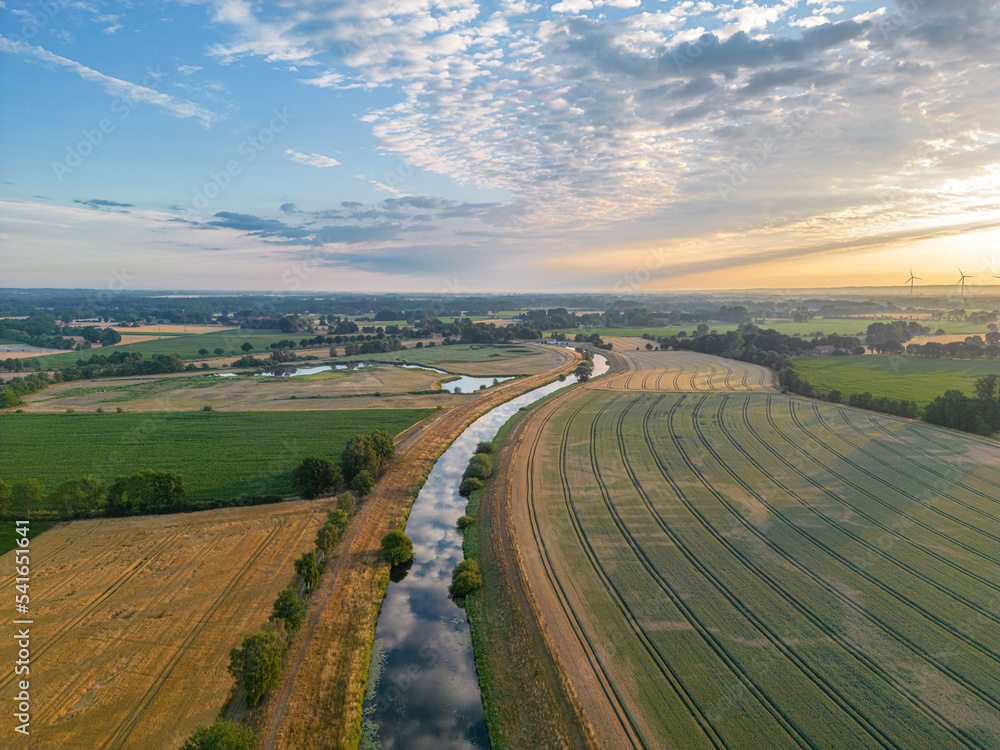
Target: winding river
(423,689)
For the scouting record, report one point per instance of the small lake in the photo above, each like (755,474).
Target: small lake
(464,383)
(423,687)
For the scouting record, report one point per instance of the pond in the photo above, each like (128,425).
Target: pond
(463,384)
(423,687)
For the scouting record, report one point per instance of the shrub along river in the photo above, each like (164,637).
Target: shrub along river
(423,691)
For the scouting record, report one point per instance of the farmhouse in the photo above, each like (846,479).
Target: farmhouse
(822,351)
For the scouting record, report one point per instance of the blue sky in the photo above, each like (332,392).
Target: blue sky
(452,145)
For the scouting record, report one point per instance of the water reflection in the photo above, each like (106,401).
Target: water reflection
(427,692)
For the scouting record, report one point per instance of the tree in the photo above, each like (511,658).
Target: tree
(465,579)
(339,519)
(485,446)
(256,666)
(316,476)
(110,337)
(701,330)
(327,538)
(147,491)
(363,483)
(222,735)
(4,497)
(24,496)
(288,608)
(307,569)
(219,351)
(78,496)
(345,504)
(247,346)
(397,548)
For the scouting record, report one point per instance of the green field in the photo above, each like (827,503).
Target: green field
(220,454)
(911,378)
(751,571)
(185,346)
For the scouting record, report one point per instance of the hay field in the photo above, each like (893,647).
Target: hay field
(134,619)
(681,371)
(750,570)
(190,392)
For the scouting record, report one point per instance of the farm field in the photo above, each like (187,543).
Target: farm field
(728,570)
(473,359)
(905,377)
(134,619)
(220,454)
(185,346)
(190,392)
(644,370)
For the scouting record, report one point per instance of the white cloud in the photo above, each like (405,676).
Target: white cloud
(312,160)
(114,86)
(186,70)
(112,28)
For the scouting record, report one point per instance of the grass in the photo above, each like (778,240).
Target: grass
(911,378)
(454,353)
(768,571)
(220,455)
(186,347)
(9,535)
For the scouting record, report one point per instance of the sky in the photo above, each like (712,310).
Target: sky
(460,146)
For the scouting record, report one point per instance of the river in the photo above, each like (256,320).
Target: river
(423,688)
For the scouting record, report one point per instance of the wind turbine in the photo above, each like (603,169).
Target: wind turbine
(911,280)
(961,280)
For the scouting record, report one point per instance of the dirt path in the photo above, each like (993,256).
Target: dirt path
(319,703)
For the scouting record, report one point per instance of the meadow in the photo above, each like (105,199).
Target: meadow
(220,455)
(134,619)
(759,570)
(186,347)
(911,378)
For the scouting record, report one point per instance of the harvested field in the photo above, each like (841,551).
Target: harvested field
(736,570)
(644,370)
(134,619)
(185,392)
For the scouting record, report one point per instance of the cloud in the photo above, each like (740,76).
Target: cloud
(288,208)
(101,203)
(312,160)
(114,86)
(186,70)
(113,28)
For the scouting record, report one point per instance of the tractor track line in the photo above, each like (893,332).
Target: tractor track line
(607,685)
(131,721)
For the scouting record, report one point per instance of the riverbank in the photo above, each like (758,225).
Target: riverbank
(526,698)
(320,701)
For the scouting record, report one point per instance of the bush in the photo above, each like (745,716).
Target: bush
(206,407)
(397,548)
(480,467)
(222,735)
(469,485)
(363,483)
(465,579)
(316,476)
(465,522)
(485,446)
